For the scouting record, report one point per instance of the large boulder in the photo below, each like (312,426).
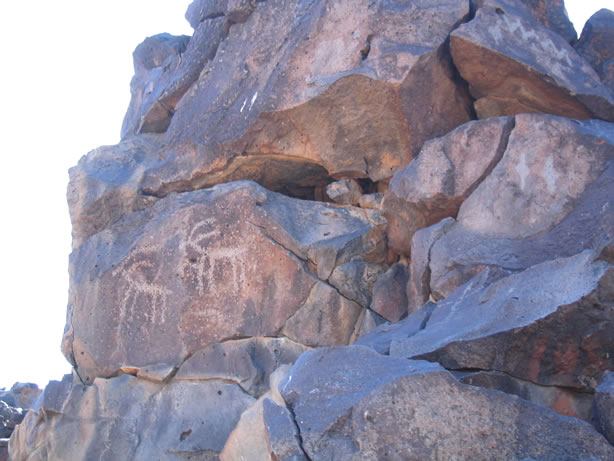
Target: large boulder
(552,14)
(550,195)
(352,403)
(515,65)
(448,169)
(549,324)
(595,45)
(305,91)
(203,267)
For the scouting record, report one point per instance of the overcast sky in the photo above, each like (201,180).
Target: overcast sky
(66,69)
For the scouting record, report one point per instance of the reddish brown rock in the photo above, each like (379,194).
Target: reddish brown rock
(549,324)
(595,45)
(564,401)
(207,266)
(301,93)
(551,195)
(514,65)
(434,185)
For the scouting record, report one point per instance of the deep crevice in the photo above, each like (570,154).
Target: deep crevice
(298,432)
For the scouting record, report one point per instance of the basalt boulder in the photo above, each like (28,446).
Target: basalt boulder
(603,409)
(207,266)
(448,169)
(352,403)
(514,65)
(550,195)
(536,325)
(302,92)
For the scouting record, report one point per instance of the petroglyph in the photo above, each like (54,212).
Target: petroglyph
(142,293)
(210,263)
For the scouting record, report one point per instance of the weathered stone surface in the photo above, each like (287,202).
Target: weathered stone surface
(373,201)
(159,84)
(266,430)
(128,418)
(4,449)
(514,65)
(595,45)
(351,403)
(234,10)
(551,195)
(604,406)
(389,293)
(562,400)
(418,285)
(20,395)
(154,60)
(537,325)
(105,185)
(199,268)
(552,14)
(355,280)
(434,185)
(345,192)
(247,362)
(302,92)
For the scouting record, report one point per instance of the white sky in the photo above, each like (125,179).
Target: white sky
(64,85)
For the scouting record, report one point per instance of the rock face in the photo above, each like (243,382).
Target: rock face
(514,65)
(344,229)
(232,261)
(309,90)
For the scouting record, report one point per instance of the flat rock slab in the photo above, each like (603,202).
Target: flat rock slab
(514,65)
(551,195)
(351,403)
(207,266)
(550,324)
(131,418)
(305,91)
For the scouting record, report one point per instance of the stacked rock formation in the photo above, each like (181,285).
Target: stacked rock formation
(14,404)
(347,229)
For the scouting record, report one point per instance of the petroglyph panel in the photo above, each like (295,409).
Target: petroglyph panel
(200,268)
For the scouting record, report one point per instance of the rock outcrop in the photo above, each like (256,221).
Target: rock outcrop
(349,229)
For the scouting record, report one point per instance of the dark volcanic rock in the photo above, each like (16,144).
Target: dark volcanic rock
(514,65)
(604,406)
(552,14)
(305,91)
(105,185)
(434,185)
(159,84)
(536,325)
(232,261)
(551,195)
(351,403)
(595,45)
(389,293)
